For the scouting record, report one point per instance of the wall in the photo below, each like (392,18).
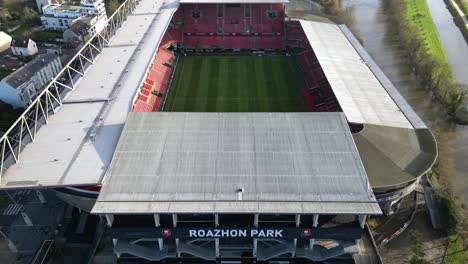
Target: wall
(8,95)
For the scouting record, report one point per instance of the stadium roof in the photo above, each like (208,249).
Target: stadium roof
(77,144)
(360,94)
(173,162)
(395,146)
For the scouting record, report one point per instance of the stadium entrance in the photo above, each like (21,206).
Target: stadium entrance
(290,237)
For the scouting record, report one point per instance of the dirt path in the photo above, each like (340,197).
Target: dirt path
(433,244)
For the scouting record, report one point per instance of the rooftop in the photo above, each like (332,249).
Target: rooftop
(395,146)
(65,7)
(358,91)
(19,42)
(166,162)
(24,74)
(76,145)
(81,26)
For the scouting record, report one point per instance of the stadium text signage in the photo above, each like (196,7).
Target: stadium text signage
(236,232)
(218,233)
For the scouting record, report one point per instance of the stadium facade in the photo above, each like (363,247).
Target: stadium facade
(113,135)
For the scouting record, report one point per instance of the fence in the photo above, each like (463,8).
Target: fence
(47,103)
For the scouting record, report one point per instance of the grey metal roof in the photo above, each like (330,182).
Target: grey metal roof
(410,114)
(283,161)
(62,153)
(24,74)
(360,94)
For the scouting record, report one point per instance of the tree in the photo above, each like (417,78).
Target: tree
(5,15)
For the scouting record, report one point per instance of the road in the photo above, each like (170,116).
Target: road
(27,232)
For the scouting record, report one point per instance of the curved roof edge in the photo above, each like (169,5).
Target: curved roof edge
(396,147)
(399,155)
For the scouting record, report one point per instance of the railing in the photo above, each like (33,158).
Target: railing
(47,103)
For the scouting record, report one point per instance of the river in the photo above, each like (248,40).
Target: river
(452,39)
(380,39)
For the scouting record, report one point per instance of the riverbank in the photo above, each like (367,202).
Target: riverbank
(459,11)
(424,51)
(375,26)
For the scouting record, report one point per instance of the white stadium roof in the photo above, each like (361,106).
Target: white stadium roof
(74,149)
(167,162)
(359,92)
(76,146)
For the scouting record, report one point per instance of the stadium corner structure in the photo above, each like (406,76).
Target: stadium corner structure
(222,130)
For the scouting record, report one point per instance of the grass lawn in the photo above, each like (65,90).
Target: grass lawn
(236,84)
(455,252)
(417,14)
(22,32)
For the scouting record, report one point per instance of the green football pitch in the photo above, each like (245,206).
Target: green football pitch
(236,84)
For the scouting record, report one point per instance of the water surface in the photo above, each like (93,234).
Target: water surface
(373,26)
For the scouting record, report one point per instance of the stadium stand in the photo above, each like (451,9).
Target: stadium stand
(158,77)
(232,26)
(235,26)
(318,95)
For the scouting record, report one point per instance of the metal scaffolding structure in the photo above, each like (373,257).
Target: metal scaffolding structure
(47,103)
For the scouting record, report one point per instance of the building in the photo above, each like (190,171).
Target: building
(41,3)
(5,41)
(59,17)
(78,32)
(82,29)
(23,47)
(22,86)
(93,8)
(200,186)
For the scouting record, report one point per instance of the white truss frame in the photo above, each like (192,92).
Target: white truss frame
(47,103)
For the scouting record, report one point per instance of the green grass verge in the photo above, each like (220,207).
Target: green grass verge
(236,84)
(25,31)
(45,35)
(424,51)
(455,252)
(418,16)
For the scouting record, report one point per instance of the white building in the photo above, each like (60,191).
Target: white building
(20,87)
(94,8)
(23,47)
(41,3)
(5,41)
(59,16)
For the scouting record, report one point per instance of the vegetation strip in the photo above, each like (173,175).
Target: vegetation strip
(424,51)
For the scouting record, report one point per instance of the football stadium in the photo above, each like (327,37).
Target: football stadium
(220,130)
